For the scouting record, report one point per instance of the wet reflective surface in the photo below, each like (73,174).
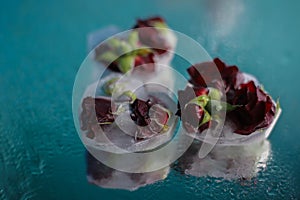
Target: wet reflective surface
(43,45)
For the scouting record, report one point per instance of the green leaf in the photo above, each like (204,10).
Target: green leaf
(114,43)
(124,48)
(200,101)
(160,25)
(130,94)
(206,118)
(277,105)
(125,63)
(142,51)
(133,38)
(230,107)
(109,86)
(119,110)
(214,94)
(105,123)
(107,56)
(119,47)
(220,105)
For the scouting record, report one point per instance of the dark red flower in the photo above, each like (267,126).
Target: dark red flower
(200,91)
(145,59)
(96,111)
(140,112)
(152,118)
(202,74)
(205,74)
(151,36)
(231,75)
(256,110)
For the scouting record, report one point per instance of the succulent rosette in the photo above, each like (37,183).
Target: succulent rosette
(249,109)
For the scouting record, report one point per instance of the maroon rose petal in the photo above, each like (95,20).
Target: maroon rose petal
(204,74)
(140,112)
(96,111)
(153,124)
(256,110)
(191,114)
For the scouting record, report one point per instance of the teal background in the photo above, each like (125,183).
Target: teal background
(42,44)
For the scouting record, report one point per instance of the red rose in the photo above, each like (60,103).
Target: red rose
(231,75)
(150,117)
(121,56)
(256,110)
(204,74)
(140,112)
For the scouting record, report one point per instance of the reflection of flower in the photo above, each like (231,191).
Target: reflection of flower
(256,109)
(152,36)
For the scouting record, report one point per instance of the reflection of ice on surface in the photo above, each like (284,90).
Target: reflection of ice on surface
(104,176)
(228,162)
